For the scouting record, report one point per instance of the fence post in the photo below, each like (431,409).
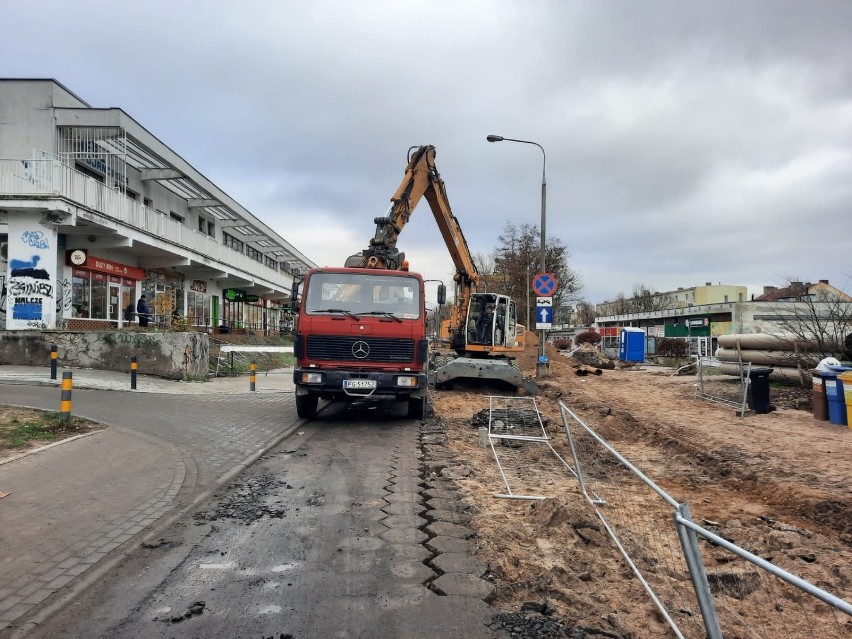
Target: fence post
(133,367)
(54,355)
(253,369)
(65,397)
(692,554)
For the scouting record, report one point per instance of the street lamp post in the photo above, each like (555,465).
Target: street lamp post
(541,368)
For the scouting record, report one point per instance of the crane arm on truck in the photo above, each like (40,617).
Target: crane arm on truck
(422,179)
(481,324)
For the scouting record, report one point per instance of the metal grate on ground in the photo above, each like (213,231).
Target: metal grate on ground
(528,464)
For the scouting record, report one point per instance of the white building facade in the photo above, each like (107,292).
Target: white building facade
(95,211)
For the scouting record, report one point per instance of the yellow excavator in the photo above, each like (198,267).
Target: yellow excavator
(483,329)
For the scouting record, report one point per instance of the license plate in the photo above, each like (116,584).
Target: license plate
(359,384)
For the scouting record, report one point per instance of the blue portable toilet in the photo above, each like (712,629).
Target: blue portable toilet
(631,346)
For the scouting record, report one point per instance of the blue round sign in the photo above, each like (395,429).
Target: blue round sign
(542,359)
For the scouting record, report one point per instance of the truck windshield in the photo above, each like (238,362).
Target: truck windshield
(362,294)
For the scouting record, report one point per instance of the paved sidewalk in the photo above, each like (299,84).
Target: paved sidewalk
(74,505)
(276,380)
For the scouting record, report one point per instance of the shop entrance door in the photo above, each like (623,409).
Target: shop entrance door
(114,302)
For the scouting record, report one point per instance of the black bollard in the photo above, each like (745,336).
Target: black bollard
(54,356)
(133,367)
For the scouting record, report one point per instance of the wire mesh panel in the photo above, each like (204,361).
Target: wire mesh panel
(528,464)
(639,519)
(712,589)
(750,602)
(723,382)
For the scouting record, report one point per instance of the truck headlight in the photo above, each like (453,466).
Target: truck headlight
(312,378)
(406,380)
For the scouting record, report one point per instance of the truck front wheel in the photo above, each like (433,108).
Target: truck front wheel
(306,406)
(416,407)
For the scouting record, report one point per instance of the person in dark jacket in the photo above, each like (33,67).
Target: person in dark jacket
(128,313)
(142,311)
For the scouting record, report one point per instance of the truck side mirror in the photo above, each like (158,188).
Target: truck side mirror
(442,294)
(294,294)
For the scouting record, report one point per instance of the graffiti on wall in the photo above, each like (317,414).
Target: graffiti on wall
(3,299)
(31,287)
(63,298)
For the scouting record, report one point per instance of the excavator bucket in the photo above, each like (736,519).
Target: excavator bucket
(468,368)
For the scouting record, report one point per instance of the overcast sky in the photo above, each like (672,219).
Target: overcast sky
(687,142)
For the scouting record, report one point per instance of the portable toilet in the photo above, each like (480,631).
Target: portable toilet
(631,346)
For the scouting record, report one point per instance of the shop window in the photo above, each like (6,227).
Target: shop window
(100,290)
(80,294)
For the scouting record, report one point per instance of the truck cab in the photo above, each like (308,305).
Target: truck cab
(360,333)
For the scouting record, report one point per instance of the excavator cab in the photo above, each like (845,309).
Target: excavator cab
(492,324)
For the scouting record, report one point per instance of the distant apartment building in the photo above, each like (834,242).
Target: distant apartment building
(680,298)
(703,313)
(95,211)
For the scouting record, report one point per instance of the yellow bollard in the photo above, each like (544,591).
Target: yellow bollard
(253,369)
(65,398)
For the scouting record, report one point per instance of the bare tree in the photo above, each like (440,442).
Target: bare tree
(817,325)
(518,259)
(586,313)
(645,298)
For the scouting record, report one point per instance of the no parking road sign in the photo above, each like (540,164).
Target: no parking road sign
(544,284)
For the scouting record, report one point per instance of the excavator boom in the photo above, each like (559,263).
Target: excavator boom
(468,330)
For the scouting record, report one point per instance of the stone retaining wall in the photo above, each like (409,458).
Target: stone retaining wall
(170,355)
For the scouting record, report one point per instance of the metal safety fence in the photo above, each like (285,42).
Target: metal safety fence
(702,584)
(522,448)
(724,383)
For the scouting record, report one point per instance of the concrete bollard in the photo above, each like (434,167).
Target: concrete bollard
(133,367)
(253,369)
(54,357)
(65,397)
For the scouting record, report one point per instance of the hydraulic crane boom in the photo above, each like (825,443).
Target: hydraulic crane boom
(482,324)
(421,178)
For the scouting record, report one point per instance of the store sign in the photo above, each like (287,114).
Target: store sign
(234,294)
(104,266)
(199,286)
(252,298)
(699,321)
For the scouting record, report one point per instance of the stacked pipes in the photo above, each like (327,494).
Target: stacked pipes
(787,355)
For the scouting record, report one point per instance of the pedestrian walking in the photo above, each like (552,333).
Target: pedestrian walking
(142,311)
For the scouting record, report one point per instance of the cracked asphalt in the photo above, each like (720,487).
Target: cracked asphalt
(335,531)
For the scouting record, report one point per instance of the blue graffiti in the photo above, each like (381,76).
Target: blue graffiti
(31,263)
(35,239)
(28,311)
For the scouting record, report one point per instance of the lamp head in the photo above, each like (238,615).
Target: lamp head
(495,138)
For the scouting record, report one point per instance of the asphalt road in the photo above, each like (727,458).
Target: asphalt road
(324,536)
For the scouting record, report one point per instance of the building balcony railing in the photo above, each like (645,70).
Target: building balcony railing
(52,177)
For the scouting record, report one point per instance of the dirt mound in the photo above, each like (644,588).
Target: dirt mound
(777,484)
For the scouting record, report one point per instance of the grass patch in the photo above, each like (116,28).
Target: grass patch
(22,428)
